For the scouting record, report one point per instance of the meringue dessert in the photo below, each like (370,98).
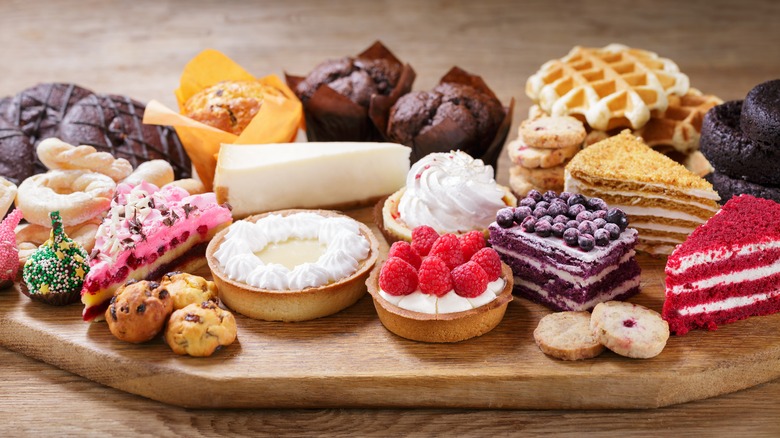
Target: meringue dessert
(292,265)
(448,191)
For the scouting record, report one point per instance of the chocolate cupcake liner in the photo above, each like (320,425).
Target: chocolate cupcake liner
(52,299)
(332,117)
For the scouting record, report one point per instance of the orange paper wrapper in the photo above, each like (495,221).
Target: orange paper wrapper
(277,121)
(333,117)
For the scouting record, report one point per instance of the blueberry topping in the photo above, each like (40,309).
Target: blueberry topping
(539,212)
(585,216)
(549,195)
(623,223)
(547,218)
(586,242)
(560,219)
(577,199)
(522,213)
(505,217)
(576,209)
(614,215)
(557,208)
(558,229)
(564,196)
(599,222)
(535,195)
(572,224)
(602,237)
(528,224)
(544,204)
(600,214)
(586,227)
(613,230)
(528,202)
(571,237)
(596,204)
(543,228)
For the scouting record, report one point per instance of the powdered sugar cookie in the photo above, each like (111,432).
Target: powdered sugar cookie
(629,329)
(528,157)
(552,132)
(548,179)
(567,336)
(519,184)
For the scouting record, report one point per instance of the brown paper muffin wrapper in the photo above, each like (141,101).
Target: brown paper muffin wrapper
(333,117)
(277,121)
(52,299)
(448,135)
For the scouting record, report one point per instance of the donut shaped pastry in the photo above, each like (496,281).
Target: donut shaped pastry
(760,119)
(728,187)
(77,194)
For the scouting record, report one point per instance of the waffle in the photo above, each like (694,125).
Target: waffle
(612,87)
(678,127)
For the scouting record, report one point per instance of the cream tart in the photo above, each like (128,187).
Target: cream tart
(292,265)
(442,290)
(448,191)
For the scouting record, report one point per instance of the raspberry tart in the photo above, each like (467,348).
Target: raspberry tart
(292,265)
(441,288)
(148,232)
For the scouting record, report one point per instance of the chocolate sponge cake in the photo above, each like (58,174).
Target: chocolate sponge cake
(728,187)
(760,119)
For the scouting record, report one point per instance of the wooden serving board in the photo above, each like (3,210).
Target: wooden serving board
(350,360)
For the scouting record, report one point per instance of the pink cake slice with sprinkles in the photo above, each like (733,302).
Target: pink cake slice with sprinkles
(148,232)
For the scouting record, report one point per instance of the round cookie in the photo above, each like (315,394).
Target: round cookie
(115,124)
(567,336)
(760,119)
(17,154)
(728,187)
(199,329)
(186,289)
(138,311)
(519,183)
(732,153)
(552,132)
(548,179)
(530,158)
(629,329)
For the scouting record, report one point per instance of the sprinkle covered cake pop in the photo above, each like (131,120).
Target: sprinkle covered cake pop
(9,253)
(55,272)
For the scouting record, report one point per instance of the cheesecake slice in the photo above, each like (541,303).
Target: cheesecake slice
(260,178)
(147,233)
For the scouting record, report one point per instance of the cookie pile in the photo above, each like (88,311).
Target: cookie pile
(540,153)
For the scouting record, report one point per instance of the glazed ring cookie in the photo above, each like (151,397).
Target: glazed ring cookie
(7,195)
(629,329)
(191,185)
(138,311)
(78,195)
(552,132)
(186,289)
(157,172)
(84,234)
(567,336)
(548,179)
(199,329)
(528,157)
(56,154)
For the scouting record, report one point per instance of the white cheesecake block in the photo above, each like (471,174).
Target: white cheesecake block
(266,177)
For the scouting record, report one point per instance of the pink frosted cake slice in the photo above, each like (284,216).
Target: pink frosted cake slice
(147,233)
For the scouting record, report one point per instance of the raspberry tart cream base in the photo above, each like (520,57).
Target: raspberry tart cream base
(292,305)
(393,228)
(445,327)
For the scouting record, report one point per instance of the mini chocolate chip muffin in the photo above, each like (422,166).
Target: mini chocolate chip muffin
(138,311)
(186,289)
(200,329)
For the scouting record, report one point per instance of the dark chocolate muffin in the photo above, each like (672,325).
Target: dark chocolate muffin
(355,78)
(734,154)
(16,153)
(729,187)
(760,119)
(115,124)
(450,106)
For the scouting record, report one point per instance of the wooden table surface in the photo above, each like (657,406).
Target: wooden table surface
(139,48)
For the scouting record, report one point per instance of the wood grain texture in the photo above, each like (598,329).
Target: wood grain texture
(139,48)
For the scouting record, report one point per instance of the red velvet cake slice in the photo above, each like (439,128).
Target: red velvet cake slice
(147,233)
(728,269)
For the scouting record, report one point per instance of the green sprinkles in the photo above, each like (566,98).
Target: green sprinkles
(58,266)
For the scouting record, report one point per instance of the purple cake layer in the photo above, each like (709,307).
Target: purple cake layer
(556,305)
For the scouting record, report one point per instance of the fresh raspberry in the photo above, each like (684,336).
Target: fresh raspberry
(470,243)
(470,280)
(398,277)
(447,248)
(423,238)
(434,276)
(489,261)
(405,251)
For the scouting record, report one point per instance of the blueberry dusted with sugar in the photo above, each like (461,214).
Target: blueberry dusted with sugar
(535,195)
(543,228)
(543,204)
(564,196)
(505,217)
(528,224)
(576,209)
(596,204)
(584,216)
(571,236)
(586,227)
(599,222)
(577,199)
(557,208)
(522,213)
(572,224)
(539,212)
(586,242)
(613,230)
(558,229)
(547,218)
(528,202)
(618,217)
(601,237)
(600,214)
(549,195)
(560,219)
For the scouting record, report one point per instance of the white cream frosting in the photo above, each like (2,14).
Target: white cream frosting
(728,303)
(571,305)
(720,254)
(751,274)
(451,192)
(450,302)
(345,247)
(662,227)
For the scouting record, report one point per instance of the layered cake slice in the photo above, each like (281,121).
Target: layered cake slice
(567,252)
(728,269)
(147,233)
(665,201)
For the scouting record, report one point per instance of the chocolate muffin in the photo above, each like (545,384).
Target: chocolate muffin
(760,118)
(114,124)
(16,153)
(474,115)
(355,78)
(729,187)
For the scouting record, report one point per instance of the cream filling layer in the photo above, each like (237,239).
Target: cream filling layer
(571,183)
(730,278)
(623,288)
(727,304)
(720,254)
(450,302)
(662,227)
